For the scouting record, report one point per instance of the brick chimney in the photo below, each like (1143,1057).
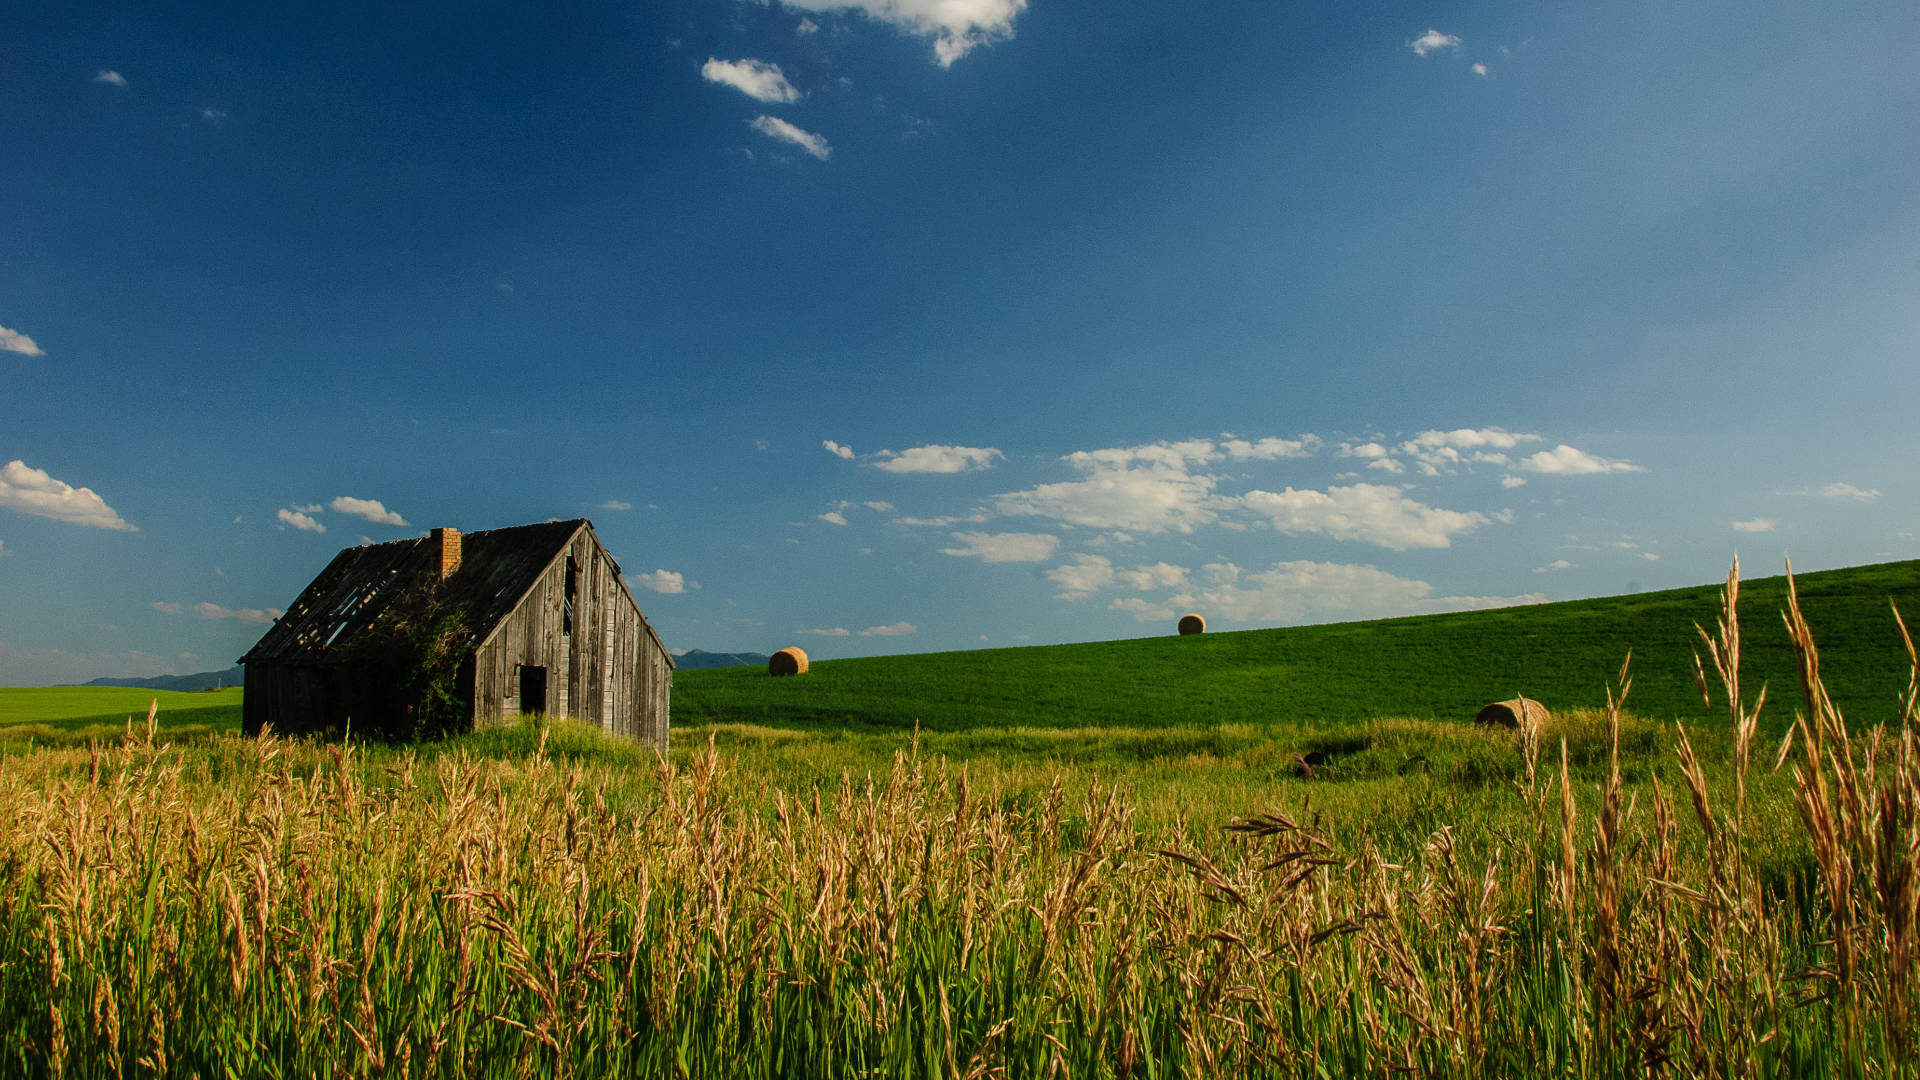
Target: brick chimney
(447,543)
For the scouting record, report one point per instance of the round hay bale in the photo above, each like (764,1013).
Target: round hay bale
(1514,713)
(791,660)
(1192,624)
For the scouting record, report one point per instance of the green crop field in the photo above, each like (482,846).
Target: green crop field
(63,715)
(1105,860)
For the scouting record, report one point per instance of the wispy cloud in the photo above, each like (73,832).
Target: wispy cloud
(1439,452)
(938,459)
(827,631)
(775,128)
(1298,591)
(757,79)
(975,518)
(1084,576)
(899,629)
(1839,490)
(251,616)
(1370,513)
(1089,574)
(616,504)
(166,607)
(300,519)
(668,582)
(837,450)
(110,77)
(211,115)
(14,341)
(1564,460)
(367,509)
(1433,40)
(1557,564)
(833,517)
(32,491)
(1756,525)
(957,27)
(1004,547)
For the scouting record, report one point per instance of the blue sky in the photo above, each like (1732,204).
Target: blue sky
(897,325)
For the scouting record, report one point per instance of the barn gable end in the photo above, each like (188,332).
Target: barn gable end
(544,621)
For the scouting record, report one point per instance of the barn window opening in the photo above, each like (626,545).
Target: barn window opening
(533,689)
(566,601)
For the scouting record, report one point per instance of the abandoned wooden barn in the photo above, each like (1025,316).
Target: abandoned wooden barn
(452,632)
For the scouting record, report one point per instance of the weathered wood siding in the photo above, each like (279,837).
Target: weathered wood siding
(608,670)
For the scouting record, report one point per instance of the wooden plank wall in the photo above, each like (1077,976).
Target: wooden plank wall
(608,671)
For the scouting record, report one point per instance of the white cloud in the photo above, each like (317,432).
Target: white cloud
(301,520)
(1297,591)
(314,509)
(213,116)
(110,77)
(938,459)
(32,491)
(1367,450)
(1269,449)
(879,506)
(1089,574)
(898,629)
(1004,547)
(1372,513)
(833,517)
(807,27)
(1432,40)
(166,608)
(616,504)
(1557,564)
(837,450)
(957,27)
(1151,500)
(1649,556)
(975,518)
(1480,70)
(1084,576)
(1839,490)
(828,631)
(1757,525)
(668,582)
(1160,575)
(1443,451)
(253,616)
(1148,488)
(757,79)
(1564,460)
(1512,481)
(368,509)
(14,341)
(775,128)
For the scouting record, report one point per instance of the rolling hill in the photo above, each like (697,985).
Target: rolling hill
(1428,667)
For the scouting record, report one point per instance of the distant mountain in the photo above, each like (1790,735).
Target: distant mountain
(696,659)
(205,680)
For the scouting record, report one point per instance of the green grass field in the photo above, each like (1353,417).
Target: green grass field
(1380,696)
(1091,860)
(65,715)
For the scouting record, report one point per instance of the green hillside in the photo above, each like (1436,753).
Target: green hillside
(1316,677)
(66,714)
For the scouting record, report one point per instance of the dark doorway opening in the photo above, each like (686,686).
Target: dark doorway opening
(533,689)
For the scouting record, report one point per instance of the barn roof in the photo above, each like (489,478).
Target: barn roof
(497,568)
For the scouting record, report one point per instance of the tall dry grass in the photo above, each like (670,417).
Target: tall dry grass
(274,908)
